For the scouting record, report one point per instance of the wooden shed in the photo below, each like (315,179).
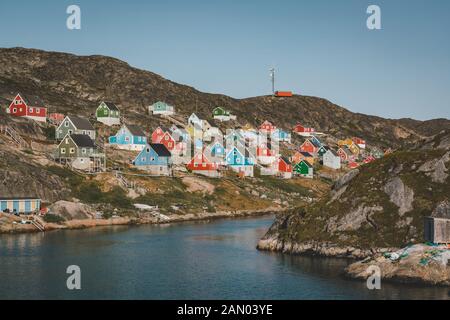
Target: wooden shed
(437,230)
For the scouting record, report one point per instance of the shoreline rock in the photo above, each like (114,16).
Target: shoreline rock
(92,223)
(315,248)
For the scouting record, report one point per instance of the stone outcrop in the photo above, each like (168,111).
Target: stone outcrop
(400,194)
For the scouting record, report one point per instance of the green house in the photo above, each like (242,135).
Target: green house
(161,108)
(220,113)
(304,169)
(108,113)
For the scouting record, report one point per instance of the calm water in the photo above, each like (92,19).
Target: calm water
(214,260)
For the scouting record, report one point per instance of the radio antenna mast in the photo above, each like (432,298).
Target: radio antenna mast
(272,78)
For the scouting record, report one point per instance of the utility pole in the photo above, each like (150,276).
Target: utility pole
(272,78)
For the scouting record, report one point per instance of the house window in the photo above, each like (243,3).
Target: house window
(70,131)
(238,160)
(14,110)
(152,159)
(127,139)
(143,159)
(167,138)
(17,102)
(38,110)
(82,160)
(105,112)
(63,150)
(30,110)
(148,150)
(83,150)
(66,123)
(72,150)
(67,140)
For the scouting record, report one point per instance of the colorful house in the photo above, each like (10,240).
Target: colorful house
(156,159)
(322,150)
(306,156)
(158,134)
(20,205)
(240,162)
(221,114)
(331,160)
(361,143)
(212,133)
(345,154)
(303,131)
(267,127)
(353,165)
(201,165)
(195,120)
(304,169)
(31,107)
(56,118)
(308,146)
(108,113)
(161,108)
(178,131)
(369,159)
(74,125)
(281,135)
(168,141)
(216,153)
(264,154)
(284,168)
(354,149)
(80,151)
(129,137)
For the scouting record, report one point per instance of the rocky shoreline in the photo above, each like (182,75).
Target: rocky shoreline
(418,264)
(14,228)
(316,248)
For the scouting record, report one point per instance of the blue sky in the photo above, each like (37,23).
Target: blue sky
(320,48)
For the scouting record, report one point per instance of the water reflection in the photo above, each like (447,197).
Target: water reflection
(217,260)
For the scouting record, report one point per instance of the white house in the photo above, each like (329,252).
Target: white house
(331,160)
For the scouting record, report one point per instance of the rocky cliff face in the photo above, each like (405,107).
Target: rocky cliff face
(76,84)
(377,207)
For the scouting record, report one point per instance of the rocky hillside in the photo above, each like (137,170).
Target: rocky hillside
(75,84)
(380,205)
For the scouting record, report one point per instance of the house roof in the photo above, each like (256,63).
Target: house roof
(20,198)
(81,123)
(135,130)
(347,151)
(305,162)
(333,152)
(160,149)
(111,106)
(32,101)
(285,160)
(306,154)
(82,140)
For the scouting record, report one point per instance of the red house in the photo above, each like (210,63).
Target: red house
(30,107)
(369,159)
(359,142)
(267,127)
(56,118)
(168,141)
(201,165)
(308,146)
(158,134)
(302,130)
(284,168)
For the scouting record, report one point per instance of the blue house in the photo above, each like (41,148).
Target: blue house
(241,162)
(156,159)
(281,135)
(315,141)
(20,205)
(129,137)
